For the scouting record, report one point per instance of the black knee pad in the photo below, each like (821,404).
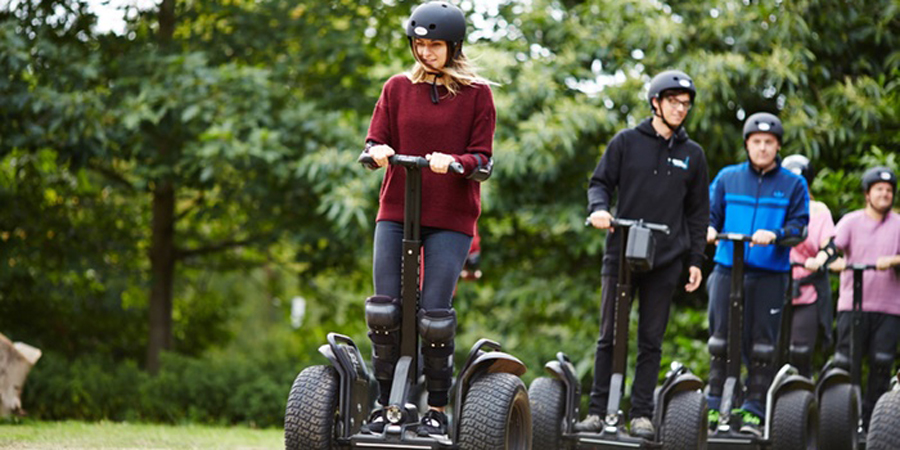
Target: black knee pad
(437,329)
(384,316)
(801,357)
(762,355)
(882,364)
(842,361)
(760,371)
(718,351)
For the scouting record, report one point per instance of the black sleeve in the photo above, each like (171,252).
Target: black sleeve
(605,179)
(696,210)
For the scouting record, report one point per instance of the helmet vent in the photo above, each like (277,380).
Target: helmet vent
(432,26)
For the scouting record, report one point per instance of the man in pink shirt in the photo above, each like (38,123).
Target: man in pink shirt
(813,310)
(872,236)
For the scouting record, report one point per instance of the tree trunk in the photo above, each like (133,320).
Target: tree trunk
(162,246)
(162,266)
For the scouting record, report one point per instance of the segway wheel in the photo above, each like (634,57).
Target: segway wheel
(684,424)
(884,429)
(310,417)
(839,423)
(496,414)
(548,402)
(795,422)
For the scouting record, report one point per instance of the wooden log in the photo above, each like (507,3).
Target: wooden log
(16,360)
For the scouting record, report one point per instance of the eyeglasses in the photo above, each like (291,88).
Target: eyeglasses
(676,103)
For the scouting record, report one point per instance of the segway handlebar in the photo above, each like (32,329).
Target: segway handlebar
(738,237)
(662,228)
(408,161)
(859,267)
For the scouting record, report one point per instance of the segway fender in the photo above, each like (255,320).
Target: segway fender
(480,362)
(832,377)
(680,380)
(563,370)
(354,402)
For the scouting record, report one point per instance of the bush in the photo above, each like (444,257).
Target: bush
(220,388)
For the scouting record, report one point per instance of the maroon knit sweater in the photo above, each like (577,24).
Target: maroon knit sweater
(461,125)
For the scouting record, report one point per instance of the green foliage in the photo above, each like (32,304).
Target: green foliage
(255,112)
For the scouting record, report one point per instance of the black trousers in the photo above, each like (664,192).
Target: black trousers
(880,333)
(654,289)
(763,300)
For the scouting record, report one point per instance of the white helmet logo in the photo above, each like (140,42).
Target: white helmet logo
(763,126)
(685,83)
(885,176)
(421,31)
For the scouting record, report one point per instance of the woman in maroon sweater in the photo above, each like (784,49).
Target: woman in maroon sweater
(443,111)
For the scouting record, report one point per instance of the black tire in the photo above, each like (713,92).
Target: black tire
(684,425)
(548,403)
(496,414)
(795,421)
(839,423)
(310,416)
(884,429)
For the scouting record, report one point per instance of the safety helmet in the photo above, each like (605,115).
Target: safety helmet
(670,80)
(876,175)
(763,122)
(438,21)
(800,165)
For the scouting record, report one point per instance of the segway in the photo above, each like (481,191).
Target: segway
(329,404)
(791,415)
(679,416)
(884,428)
(839,392)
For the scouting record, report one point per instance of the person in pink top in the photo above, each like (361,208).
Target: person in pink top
(872,236)
(443,111)
(813,310)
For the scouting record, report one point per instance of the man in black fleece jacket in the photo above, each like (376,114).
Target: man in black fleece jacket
(661,177)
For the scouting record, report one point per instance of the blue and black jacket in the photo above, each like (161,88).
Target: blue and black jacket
(744,200)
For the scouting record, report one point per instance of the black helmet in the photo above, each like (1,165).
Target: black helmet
(439,21)
(800,165)
(763,122)
(668,80)
(878,174)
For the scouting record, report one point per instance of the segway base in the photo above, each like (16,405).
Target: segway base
(401,437)
(605,440)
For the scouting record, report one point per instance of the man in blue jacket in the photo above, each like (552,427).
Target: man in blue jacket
(761,199)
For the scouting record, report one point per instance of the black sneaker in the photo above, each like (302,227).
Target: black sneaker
(376,422)
(434,423)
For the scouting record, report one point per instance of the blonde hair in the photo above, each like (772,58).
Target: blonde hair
(459,73)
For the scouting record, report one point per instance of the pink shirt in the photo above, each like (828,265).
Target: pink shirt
(863,240)
(821,229)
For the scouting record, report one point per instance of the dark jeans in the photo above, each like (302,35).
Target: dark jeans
(763,299)
(444,253)
(880,333)
(655,289)
(805,333)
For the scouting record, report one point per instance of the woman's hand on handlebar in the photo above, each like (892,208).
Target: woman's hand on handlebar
(838,265)
(812,264)
(601,219)
(439,162)
(886,262)
(381,153)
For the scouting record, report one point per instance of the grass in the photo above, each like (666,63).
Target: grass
(112,435)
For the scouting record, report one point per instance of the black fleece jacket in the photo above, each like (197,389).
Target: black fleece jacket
(660,181)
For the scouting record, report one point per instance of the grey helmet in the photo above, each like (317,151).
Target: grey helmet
(670,80)
(876,175)
(799,165)
(438,21)
(763,122)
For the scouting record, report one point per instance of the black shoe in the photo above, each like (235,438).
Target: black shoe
(376,422)
(434,423)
